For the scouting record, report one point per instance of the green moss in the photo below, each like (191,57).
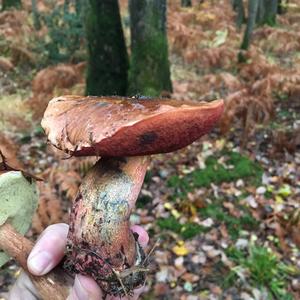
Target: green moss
(169,224)
(190,230)
(149,70)
(186,231)
(149,65)
(242,167)
(234,225)
(107,54)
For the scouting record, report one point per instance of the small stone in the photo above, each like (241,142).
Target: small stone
(179,262)
(188,286)
(199,258)
(207,247)
(241,244)
(261,190)
(251,201)
(246,296)
(213,253)
(296,284)
(240,183)
(207,222)
(162,276)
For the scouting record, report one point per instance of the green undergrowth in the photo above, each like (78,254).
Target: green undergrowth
(236,166)
(262,269)
(186,231)
(233,224)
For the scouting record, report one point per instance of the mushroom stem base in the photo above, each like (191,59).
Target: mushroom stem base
(100,242)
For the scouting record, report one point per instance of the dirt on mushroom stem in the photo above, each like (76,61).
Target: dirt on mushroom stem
(100,242)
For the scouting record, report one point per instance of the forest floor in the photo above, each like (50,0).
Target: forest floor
(224,213)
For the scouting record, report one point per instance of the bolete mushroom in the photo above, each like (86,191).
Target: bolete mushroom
(124,132)
(18,202)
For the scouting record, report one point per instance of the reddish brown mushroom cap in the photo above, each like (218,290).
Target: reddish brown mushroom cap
(114,126)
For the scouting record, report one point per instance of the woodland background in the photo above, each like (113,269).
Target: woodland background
(226,210)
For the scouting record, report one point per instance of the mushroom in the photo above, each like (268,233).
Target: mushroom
(124,132)
(18,202)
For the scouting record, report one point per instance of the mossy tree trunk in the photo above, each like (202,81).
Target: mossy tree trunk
(252,14)
(261,10)
(186,3)
(149,69)
(35,15)
(238,7)
(107,55)
(271,9)
(7,4)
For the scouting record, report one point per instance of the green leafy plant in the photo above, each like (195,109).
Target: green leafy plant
(263,268)
(65,34)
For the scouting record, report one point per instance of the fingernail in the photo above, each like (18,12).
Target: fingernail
(79,290)
(40,263)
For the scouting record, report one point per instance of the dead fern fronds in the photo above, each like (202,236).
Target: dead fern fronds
(49,209)
(249,109)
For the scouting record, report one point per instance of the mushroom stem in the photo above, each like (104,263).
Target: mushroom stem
(54,285)
(100,242)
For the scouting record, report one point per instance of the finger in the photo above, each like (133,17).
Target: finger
(143,238)
(23,289)
(85,288)
(49,249)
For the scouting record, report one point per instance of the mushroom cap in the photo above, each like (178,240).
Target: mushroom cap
(116,126)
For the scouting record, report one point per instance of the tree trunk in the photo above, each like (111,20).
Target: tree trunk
(7,4)
(271,9)
(150,69)
(252,9)
(261,11)
(252,13)
(35,16)
(186,3)
(107,55)
(238,7)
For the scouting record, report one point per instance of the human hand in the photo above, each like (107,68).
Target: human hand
(48,252)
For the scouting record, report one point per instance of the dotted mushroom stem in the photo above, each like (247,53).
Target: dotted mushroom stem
(100,242)
(54,285)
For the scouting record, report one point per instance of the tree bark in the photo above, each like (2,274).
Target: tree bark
(150,69)
(261,11)
(238,7)
(35,15)
(271,9)
(7,4)
(252,9)
(107,55)
(186,3)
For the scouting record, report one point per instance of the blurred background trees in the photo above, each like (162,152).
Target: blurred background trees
(232,196)
(107,55)
(149,64)
(7,4)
